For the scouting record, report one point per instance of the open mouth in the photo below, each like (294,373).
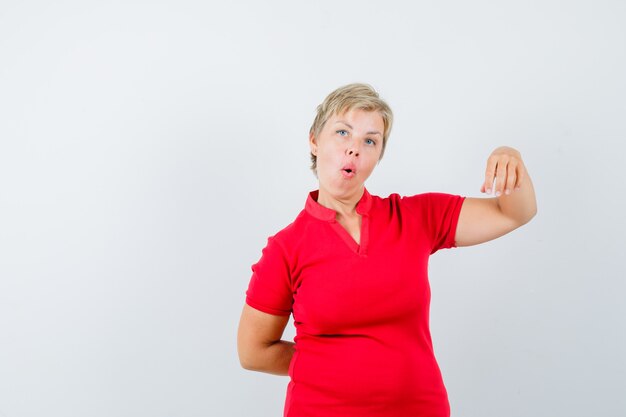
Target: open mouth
(348,172)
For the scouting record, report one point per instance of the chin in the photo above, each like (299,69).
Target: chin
(346,186)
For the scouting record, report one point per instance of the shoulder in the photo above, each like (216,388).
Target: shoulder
(398,200)
(418,203)
(288,236)
(430,197)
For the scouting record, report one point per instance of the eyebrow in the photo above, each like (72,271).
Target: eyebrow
(373,132)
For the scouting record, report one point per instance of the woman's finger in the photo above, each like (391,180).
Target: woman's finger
(490,174)
(501,175)
(521,170)
(511,177)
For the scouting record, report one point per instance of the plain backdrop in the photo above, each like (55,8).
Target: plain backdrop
(148,149)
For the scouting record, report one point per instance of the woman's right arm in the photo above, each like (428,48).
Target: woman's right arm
(259,345)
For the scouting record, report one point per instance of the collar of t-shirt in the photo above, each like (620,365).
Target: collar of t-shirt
(324,213)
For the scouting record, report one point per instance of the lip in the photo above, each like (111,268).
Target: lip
(348,170)
(348,174)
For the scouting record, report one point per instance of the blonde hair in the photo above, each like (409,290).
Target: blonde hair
(352,96)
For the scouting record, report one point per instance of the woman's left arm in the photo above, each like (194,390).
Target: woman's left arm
(484,219)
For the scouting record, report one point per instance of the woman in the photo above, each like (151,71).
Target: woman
(352,269)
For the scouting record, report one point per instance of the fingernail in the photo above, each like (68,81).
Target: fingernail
(498,193)
(507,191)
(488,190)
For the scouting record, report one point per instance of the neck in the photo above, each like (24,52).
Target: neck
(344,205)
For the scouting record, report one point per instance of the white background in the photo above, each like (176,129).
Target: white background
(148,149)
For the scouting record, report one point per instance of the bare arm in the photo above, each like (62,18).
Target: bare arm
(259,345)
(484,219)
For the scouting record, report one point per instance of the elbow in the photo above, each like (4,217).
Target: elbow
(242,362)
(245,365)
(532,214)
(526,219)
(245,361)
(250,360)
(249,365)
(245,352)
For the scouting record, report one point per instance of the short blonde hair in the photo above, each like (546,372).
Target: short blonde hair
(352,96)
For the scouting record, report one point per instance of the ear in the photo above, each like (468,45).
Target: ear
(313,143)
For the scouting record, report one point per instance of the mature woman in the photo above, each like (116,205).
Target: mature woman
(352,269)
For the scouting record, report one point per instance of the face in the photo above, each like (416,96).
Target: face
(347,149)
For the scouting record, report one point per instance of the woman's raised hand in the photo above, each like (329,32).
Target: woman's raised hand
(506,168)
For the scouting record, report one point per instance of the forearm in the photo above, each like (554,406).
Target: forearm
(273,359)
(520,205)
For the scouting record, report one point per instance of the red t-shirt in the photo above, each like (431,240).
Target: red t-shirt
(361,312)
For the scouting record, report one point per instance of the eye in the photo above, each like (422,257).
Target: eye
(342,131)
(370,141)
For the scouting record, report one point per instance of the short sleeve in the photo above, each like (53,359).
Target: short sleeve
(439,214)
(269,289)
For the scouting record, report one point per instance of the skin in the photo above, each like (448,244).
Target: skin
(355,137)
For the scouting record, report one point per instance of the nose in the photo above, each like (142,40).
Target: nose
(352,150)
